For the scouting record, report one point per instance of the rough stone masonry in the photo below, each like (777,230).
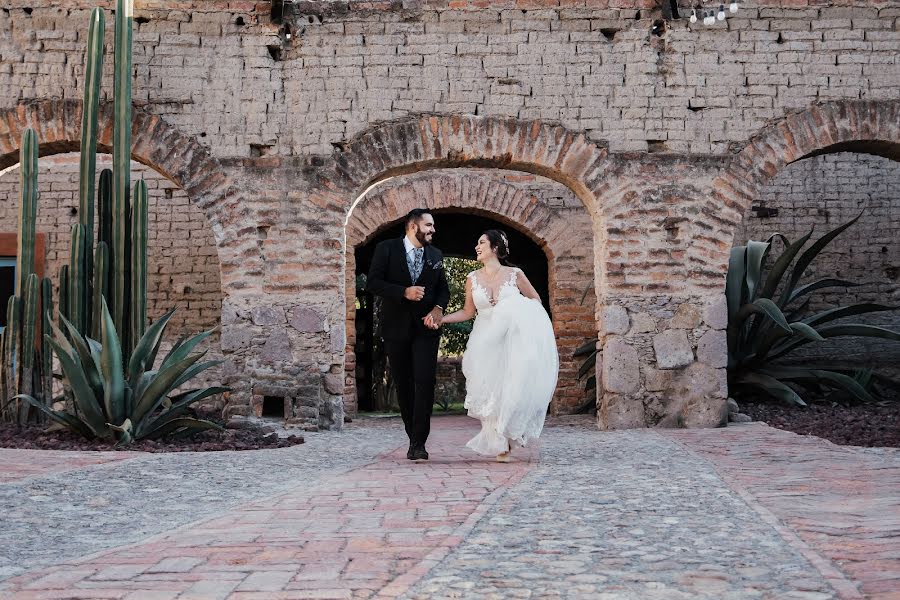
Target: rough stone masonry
(282,134)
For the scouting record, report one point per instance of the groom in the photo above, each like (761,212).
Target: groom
(408,273)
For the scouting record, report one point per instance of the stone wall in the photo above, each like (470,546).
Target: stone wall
(665,133)
(183,267)
(222,72)
(821,193)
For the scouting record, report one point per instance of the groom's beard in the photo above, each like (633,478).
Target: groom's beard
(422,237)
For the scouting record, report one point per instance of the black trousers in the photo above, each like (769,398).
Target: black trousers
(413,367)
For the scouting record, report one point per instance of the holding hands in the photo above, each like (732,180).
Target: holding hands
(434,319)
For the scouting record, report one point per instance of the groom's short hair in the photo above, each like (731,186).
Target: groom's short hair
(415,215)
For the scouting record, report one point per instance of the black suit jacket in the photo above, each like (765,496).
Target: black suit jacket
(389,277)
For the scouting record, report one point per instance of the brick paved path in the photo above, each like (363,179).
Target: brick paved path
(747,512)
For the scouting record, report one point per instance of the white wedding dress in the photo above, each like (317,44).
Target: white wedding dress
(511,365)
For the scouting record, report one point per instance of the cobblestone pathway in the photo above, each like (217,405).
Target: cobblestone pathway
(638,514)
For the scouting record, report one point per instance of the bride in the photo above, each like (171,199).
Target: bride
(511,362)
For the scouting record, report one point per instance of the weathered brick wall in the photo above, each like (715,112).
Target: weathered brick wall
(221,72)
(823,192)
(666,140)
(183,267)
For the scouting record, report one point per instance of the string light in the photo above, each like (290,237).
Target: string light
(711,15)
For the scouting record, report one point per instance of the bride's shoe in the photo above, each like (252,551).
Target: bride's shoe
(503,457)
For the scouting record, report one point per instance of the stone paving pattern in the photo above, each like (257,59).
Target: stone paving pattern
(747,512)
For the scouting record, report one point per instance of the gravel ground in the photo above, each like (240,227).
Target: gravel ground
(870,425)
(62,516)
(626,515)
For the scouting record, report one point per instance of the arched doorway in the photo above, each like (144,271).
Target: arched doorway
(550,238)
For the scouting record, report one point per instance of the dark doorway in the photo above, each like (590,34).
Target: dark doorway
(456,236)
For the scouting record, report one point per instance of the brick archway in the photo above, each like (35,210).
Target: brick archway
(438,141)
(566,241)
(155,144)
(856,126)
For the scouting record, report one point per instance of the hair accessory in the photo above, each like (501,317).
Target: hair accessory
(505,241)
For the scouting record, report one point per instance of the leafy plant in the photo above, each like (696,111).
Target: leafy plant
(763,324)
(112,400)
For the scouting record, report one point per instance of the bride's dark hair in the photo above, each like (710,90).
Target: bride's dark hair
(500,244)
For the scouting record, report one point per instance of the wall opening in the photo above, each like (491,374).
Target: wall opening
(457,233)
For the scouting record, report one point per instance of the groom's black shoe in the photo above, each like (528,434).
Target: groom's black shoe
(411,453)
(420,453)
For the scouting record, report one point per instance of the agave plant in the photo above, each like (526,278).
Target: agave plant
(763,323)
(121,402)
(587,368)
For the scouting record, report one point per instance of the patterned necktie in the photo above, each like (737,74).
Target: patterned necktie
(414,261)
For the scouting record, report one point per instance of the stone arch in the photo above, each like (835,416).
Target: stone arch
(440,141)
(565,240)
(155,144)
(869,126)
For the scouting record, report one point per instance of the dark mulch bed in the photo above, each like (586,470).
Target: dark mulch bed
(34,437)
(871,425)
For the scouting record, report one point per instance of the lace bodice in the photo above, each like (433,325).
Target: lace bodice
(486,298)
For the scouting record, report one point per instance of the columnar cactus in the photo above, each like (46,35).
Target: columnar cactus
(139,218)
(113,274)
(120,249)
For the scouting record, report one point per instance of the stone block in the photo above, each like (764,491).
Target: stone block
(715,314)
(657,380)
(672,349)
(618,411)
(621,371)
(236,337)
(614,320)
(697,398)
(267,315)
(306,319)
(642,323)
(686,317)
(712,348)
(277,348)
(333,382)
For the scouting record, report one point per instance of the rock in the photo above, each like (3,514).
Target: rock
(656,380)
(643,323)
(277,348)
(307,320)
(236,337)
(686,317)
(699,392)
(672,349)
(621,371)
(620,412)
(338,337)
(334,383)
(712,348)
(733,406)
(740,418)
(715,314)
(267,315)
(614,320)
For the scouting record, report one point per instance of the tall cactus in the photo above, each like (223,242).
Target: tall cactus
(139,218)
(101,281)
(46,352)
(28,161)
(87,172)
(63,295)
(120,250)
(30,305)
(78,281)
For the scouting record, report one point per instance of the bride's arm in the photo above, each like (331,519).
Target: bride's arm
(525,286)
(466,312)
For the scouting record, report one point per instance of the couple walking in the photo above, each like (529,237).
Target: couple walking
(510,363)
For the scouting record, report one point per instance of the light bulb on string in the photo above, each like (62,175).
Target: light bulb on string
(693,15)
(733,7)
(721,14)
